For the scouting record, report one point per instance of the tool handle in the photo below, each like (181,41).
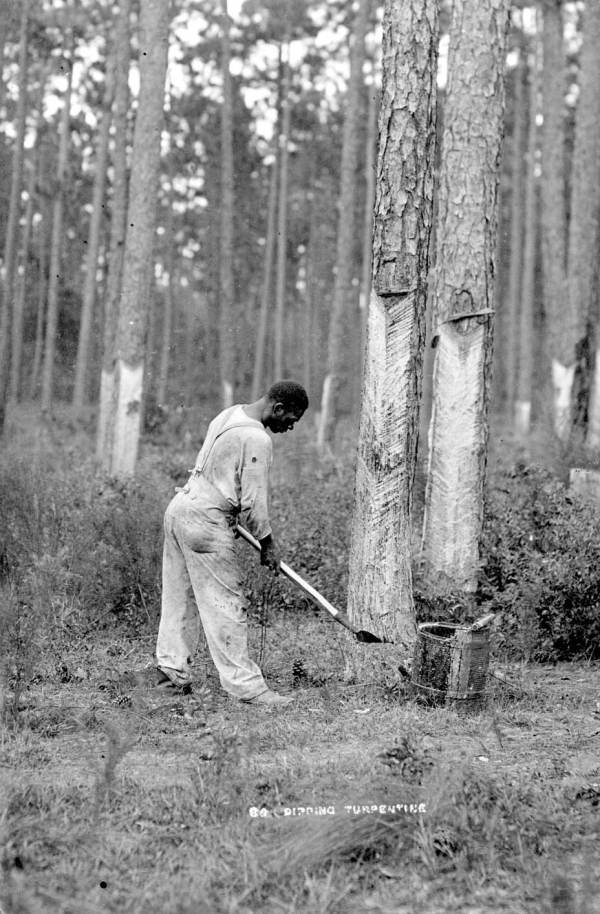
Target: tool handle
(482,622)
(304,585)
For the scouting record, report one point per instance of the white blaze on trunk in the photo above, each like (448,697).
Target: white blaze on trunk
(454,472)
(107,392)
(562,385)
(593,432)
(324,417)
(522,417)
(380,584)
(127,419)
(227,394)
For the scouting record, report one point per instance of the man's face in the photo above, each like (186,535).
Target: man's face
(283,419)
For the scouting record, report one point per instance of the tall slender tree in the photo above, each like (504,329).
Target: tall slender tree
(93,246)
(338,337)
(522,417)
(141,215)
(265,299)
(56,237)
(226,305)
(14,212)
(517,221)
(584,222)
(282,209)
(463,296)
(380,577)
(116,245)
(553,221)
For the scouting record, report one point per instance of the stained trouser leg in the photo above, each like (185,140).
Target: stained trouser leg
(178,630)
(214,577)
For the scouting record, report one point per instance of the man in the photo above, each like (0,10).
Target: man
(229,481)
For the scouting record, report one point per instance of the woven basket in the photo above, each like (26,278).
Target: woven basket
(450,665)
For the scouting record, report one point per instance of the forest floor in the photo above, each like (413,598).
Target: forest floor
(117,797)
(121,798)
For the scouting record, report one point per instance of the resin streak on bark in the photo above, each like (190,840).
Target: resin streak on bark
(380,585)
(464,285)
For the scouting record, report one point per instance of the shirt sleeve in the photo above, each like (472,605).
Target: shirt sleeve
(257,456)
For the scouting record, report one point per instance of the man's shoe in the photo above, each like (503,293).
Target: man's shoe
(269,698)
(164,682)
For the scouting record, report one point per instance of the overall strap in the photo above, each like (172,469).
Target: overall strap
(197,471)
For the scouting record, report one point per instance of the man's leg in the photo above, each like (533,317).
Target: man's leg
(178,631)
(214,577)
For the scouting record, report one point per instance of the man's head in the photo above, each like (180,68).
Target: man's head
(286,402)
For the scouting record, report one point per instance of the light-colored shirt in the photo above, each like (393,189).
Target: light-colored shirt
(236,458)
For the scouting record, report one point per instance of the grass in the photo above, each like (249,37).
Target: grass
(114,798)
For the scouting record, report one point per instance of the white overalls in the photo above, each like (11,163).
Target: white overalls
(230,480)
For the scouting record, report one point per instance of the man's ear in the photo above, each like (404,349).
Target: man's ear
(278,409)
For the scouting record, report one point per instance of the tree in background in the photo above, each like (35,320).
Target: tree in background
(226,304)
(463,294)
(93,245)
(380,577)
(557,303)
(138,261)
(10,245)
(584,223)
(56,237)
(342,290)
(525,338)
(517,193)
(116,244)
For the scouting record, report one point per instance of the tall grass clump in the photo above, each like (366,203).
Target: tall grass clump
(76,548)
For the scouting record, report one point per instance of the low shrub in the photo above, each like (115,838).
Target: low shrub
(541,565)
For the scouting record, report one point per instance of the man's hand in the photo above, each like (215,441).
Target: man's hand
(269,554)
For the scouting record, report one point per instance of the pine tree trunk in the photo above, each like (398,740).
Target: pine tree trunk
(89,288)
(517,221)
(280,276)
(12,225)
(167,327)
(34,377)
(138,264)
(116,246)
(19,298)
(367,252)
(338,344)
(553,221)
(56,241)
(258,378)
(522,416)
(463,301)
(380,582)
(584,223)
(226,304)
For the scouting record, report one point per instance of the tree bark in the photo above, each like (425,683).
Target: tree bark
(380,578)
(258,378)
(138,264)
(553,222)
(342,297)
(89,289)
(516,233)
(19,297)
(280,276)
(56,240)
(14,209)
(167,327)
(116,246)
(463,298)
(226,305)
(522,416)
(584,223)
(367,252)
